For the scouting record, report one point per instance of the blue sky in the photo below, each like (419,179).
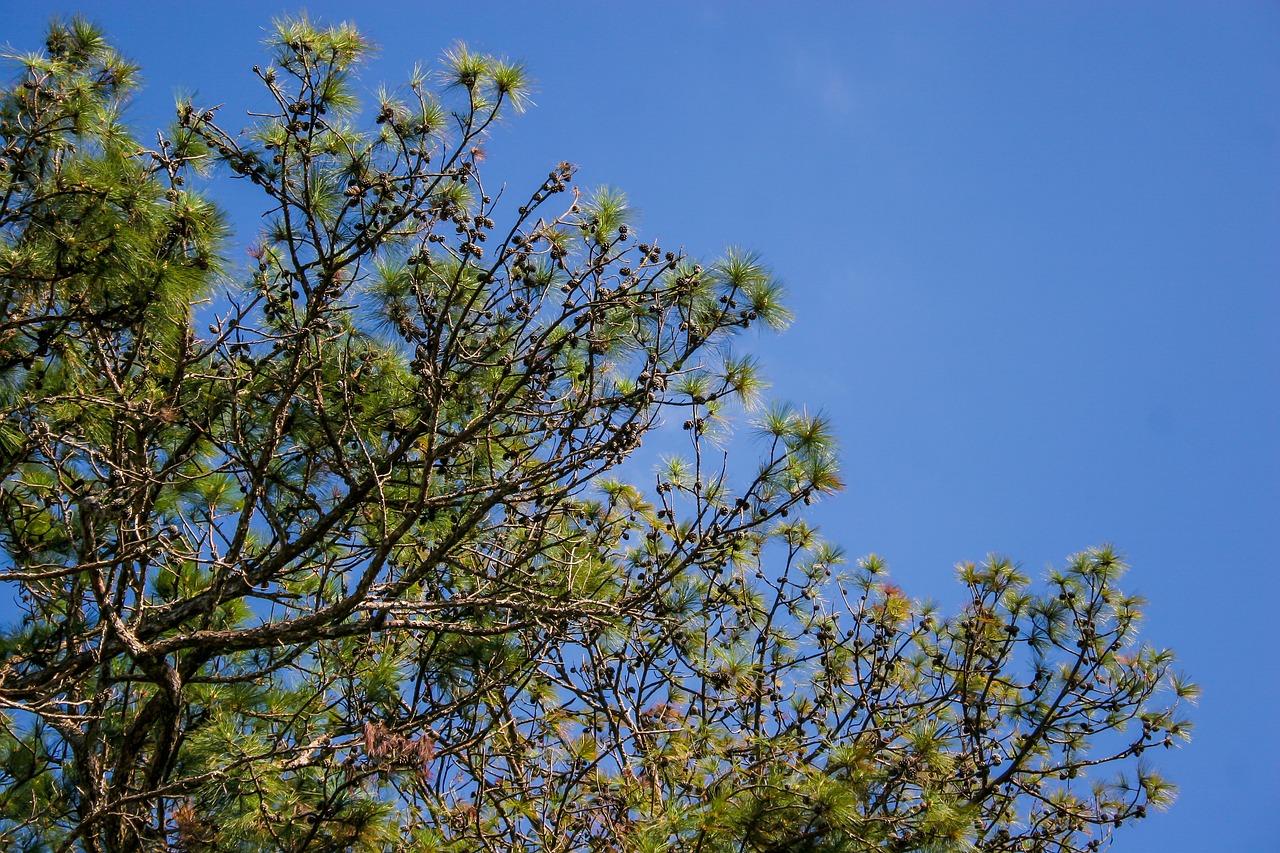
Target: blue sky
(1033,250)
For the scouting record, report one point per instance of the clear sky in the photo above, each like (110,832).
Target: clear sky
(1033,250)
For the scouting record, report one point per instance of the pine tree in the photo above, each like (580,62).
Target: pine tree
(359,564)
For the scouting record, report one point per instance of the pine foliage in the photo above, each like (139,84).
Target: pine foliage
(358,564)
